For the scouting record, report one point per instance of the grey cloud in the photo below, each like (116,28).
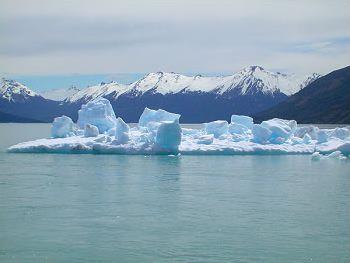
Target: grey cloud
(177,36)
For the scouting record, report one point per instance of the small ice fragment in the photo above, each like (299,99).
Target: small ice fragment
(316,156)
(334,155)
(62,127)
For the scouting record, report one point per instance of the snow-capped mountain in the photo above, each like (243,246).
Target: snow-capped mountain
(249,81)
(196,98)
(59,94)
(112,89)
(14,91)
(19,103)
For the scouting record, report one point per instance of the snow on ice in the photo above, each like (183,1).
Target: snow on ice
(98,130)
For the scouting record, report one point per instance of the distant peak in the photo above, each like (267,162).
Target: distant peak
(253,68)
(10,88)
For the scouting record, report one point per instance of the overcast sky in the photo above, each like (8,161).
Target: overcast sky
(103,37)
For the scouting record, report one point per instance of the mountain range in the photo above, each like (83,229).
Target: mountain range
(197,98)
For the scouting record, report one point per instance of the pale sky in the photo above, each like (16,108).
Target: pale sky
(105,37)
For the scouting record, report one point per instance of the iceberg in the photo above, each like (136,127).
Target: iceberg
(160,132)
(62,127)
(99,113)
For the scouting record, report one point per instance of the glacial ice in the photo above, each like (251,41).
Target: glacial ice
(90,130)
(148,116)
(217,128)
(62,127)
(261,134)
(159,132)
(121,132)
(99,113)
(242,120)
(168,136)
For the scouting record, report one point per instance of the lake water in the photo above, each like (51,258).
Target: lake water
(110,208)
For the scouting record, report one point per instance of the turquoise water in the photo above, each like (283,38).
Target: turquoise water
(108,208)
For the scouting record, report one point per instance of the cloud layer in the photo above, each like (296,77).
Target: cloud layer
(87,37)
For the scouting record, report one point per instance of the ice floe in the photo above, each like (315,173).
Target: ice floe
(98,130)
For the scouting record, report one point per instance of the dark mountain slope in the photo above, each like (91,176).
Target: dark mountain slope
(6,117)
(326,100)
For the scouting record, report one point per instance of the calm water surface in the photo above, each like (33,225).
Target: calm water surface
(109,208)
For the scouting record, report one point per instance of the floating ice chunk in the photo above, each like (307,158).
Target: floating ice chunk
(336,155)
(235,128)
(206,139)
(316,156)
(98,112)
(217,128)
(121,132)
(341,133)
(261,134)
(168,136)
(90,130)
(281,130)
(242,120)
(62,127)
(160,115)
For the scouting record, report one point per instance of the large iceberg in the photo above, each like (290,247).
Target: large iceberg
(159,132)
(99,113)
